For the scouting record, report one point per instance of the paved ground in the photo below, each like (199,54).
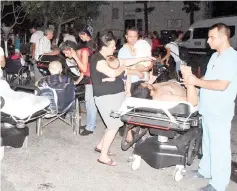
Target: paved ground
(61,161)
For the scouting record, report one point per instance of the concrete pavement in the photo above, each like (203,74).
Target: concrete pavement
(61,161)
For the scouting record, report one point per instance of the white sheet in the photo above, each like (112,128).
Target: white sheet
(153,104)
(21,104)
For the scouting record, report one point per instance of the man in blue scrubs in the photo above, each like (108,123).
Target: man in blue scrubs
(216,104)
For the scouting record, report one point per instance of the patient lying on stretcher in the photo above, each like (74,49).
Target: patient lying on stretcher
(168,91)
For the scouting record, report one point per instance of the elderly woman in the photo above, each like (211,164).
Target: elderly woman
(108,95)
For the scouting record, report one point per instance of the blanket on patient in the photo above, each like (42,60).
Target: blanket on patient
(20,104)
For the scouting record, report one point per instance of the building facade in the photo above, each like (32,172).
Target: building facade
(117,15)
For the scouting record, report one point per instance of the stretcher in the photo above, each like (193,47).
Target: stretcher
(17,109)
(175,128)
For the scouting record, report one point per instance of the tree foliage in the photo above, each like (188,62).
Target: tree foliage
(15,15)
(61,12)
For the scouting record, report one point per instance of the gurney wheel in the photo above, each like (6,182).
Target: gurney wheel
(179,173)
(136,162)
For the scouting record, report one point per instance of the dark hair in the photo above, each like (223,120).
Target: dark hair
(160,51)
(110,33)
(174,36)
(131,29)
(70,31)
(85,31)
(68,45)
(104,41)
(179,32)
(139,91)
(35,26)
(221,27)
(92,45)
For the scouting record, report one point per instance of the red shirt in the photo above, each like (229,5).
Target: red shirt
(87,73)
(155,43)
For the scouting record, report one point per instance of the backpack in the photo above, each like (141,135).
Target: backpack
(183,53)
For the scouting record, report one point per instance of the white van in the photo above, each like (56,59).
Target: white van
(195,39)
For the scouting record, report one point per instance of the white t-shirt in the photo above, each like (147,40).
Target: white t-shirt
(36,36)
(70,38)
(143,48)
(174,50)
(1,54)
(42,46)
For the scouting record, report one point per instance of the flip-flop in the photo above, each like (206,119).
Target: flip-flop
(109,163)
(99,151)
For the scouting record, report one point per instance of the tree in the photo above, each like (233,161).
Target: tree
(62,12)
(146,11)
(190,7)
(39,11)
(16,15)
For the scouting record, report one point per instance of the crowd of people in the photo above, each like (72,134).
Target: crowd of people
(110,80)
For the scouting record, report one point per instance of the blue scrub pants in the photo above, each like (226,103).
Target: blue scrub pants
(216,146)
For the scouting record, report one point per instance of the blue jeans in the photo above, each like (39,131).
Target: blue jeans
(216,160)
(91,110)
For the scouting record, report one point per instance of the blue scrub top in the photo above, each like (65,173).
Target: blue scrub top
(220,103)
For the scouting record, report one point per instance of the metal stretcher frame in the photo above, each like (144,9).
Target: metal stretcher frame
(15,120)
(164,119)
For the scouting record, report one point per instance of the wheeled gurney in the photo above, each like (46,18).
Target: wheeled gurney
(17,109)
(176,126)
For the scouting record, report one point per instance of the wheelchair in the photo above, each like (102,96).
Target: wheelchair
(16,73)
(79,90)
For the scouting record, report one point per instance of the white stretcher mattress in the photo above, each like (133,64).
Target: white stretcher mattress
(131,103)
(20,104)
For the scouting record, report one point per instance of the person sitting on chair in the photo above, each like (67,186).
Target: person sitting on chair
(44,52)
(54,81)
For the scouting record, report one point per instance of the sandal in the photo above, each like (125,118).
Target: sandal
(99,151)
(109,163)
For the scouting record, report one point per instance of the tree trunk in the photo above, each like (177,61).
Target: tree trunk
(58,32)
(146,17)
(46,22)
(191,17)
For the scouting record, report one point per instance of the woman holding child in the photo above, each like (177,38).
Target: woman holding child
(108,94)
